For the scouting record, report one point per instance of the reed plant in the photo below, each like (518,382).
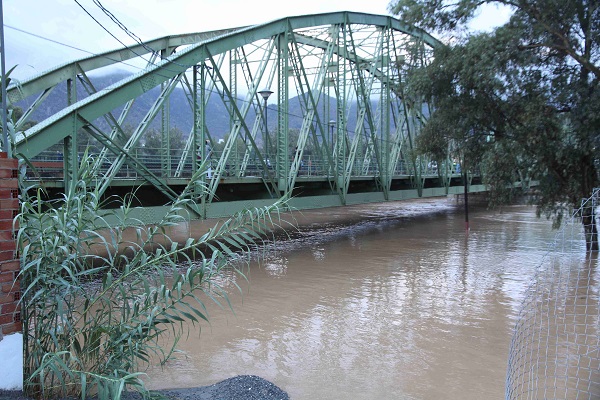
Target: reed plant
(95,304)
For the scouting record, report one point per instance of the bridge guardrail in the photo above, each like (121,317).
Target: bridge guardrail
(49,166)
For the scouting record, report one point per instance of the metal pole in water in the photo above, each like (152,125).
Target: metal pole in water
(466,202)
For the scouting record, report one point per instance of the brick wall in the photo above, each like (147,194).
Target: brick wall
(10,316)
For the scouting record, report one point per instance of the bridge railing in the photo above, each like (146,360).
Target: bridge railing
(49,165)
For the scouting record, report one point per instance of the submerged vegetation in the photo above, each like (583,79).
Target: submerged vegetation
(95,303)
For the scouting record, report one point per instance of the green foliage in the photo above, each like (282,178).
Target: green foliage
(97,298)
(153,141)
(523,101)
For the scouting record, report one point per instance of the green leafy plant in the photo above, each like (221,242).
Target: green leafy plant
(98,295)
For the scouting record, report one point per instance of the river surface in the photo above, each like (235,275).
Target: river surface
(385,301)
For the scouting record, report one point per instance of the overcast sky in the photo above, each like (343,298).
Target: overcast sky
(66,22)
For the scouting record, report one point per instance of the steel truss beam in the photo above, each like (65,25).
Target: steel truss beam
(342,66)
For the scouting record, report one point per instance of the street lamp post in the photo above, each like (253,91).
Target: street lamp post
(265,93)
(331,125)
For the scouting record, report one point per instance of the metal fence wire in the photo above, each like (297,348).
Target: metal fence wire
(555,348)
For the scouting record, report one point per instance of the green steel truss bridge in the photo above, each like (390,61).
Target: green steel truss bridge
(341,72)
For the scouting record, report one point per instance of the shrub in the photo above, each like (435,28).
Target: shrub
(95,304)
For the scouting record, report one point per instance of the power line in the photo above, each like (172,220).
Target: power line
(132,35)
(122,26)
(111,34)
(48,39)
(69,46)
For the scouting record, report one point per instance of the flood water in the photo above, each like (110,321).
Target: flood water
(385,301)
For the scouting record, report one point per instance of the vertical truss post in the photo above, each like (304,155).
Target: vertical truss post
(283,161)
(385,117)
(196,137)
(193,139)
(372,145)
(165,127)
(233,84)
(340,141)
(200,133)
(70,159)
(398,108)
(165,148)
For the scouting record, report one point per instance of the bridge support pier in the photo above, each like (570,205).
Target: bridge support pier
(10,292)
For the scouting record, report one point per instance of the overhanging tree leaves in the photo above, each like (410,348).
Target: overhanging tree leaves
(523,100)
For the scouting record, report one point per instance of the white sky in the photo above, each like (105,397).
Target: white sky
(64,21)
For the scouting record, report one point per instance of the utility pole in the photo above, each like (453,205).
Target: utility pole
(466,200)
(5,145)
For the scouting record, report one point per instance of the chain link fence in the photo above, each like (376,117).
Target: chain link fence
(555,348)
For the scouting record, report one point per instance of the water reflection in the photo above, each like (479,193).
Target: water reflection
(380,301)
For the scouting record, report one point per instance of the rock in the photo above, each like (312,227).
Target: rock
(242,387)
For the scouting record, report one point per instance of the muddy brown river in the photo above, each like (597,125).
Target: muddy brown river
(384,301)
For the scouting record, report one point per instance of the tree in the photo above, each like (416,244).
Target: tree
(153,141)
(522,101)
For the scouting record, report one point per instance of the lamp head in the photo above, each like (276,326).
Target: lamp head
(265,93)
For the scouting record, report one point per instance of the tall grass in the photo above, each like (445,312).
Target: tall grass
(94,304)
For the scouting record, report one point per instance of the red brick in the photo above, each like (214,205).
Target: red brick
(11,287)
(16,326)
(10,308)
(8,245)
(6,277)
(6,298)
(6,204)
(8,214)
(8,162)
(6,173)
(6,235)
(12,328)
(9,183)
(10,266)
(7,255)
(3,154)
(6,225)
(6,319)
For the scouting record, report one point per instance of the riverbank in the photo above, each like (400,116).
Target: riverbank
(246,387)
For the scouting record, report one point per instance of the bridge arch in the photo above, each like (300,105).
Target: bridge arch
(338,81)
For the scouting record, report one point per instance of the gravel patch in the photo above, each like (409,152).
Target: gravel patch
(246,387)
